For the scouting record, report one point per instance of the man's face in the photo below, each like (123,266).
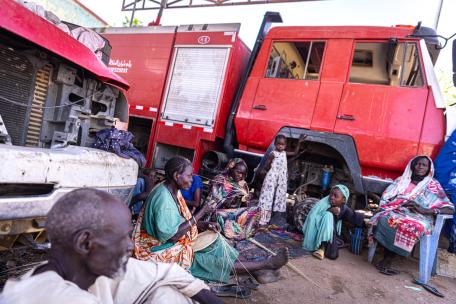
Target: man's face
(113,246)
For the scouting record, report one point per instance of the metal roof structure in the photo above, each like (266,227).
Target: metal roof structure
(141,5)
(160,5)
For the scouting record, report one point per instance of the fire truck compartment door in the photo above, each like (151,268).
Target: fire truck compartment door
(195,84)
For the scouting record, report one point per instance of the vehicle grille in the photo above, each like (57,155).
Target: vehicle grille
(39,100)
(16,80)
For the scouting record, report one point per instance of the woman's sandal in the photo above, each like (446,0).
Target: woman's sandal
(266,276)
(429,288)
(232,290)
(248,282)
(319,254)
(387,270)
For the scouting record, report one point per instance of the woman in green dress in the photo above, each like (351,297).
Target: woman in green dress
(166,231)
(324,223)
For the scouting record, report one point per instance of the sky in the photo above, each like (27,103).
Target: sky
(330,12)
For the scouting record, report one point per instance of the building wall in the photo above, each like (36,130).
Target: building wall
(72,11)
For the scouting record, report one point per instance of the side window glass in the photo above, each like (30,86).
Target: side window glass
(411,74)
(387,63)
(295,60)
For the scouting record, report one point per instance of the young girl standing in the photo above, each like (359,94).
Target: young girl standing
(273,194)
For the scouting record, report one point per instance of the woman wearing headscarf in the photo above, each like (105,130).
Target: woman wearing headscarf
(230,197)
(166,232)
(324,223)
(407,210)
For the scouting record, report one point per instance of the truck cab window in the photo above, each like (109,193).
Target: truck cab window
(387,63)
(295,60)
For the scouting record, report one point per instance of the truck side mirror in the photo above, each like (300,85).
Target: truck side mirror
(454,62)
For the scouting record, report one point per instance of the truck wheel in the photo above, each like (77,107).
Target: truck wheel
(301,210)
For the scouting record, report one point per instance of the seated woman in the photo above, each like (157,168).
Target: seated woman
(406,211)
(324,223)
(166,231)
(229,192)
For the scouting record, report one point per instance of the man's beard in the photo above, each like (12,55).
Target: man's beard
(120,273)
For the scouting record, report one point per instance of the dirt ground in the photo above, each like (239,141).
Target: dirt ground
(350,279)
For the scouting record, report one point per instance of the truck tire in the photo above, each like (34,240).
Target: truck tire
(301,210)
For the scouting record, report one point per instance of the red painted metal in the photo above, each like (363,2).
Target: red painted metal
(391,124)
(337,32)
(197,138)
(143,57)
(433,130)
(20,21)
(333,73)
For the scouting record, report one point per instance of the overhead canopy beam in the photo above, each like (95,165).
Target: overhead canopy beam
(141,5)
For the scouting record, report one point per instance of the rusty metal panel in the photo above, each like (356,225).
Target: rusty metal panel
(39,99)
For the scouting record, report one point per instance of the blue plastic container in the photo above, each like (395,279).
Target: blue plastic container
(357,238)
(325,178)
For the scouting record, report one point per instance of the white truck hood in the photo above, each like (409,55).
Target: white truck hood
(72,167)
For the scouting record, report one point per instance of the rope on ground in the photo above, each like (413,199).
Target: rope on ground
(289,264)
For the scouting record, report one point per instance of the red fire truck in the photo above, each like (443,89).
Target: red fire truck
(366,97)
(185,80)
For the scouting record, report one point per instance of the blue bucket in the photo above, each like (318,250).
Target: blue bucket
(357,238)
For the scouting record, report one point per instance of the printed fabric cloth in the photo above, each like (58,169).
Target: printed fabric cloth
(225,191)
(273,195)
(396,226)
(227,195)
(120,143)
(159,221)
(445,173)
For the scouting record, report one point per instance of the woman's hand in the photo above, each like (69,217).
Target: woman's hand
(246,198)
(214,226)
(206,209)
(409,203)
(334,210)
(420,210)
(203,226)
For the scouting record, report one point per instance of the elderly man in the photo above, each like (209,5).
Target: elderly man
(89,261)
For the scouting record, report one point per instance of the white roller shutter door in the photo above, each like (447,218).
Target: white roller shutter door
(195,85)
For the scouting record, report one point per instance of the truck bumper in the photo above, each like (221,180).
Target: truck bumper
(61,170)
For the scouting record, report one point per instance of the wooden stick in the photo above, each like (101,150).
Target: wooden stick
(289,265)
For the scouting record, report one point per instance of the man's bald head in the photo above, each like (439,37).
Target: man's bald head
(77,210)
(90,233)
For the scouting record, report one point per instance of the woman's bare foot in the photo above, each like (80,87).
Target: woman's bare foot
(277,261)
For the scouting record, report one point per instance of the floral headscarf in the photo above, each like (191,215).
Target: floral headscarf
(403,182)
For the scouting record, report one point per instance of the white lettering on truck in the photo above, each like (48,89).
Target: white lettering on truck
(120,65)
